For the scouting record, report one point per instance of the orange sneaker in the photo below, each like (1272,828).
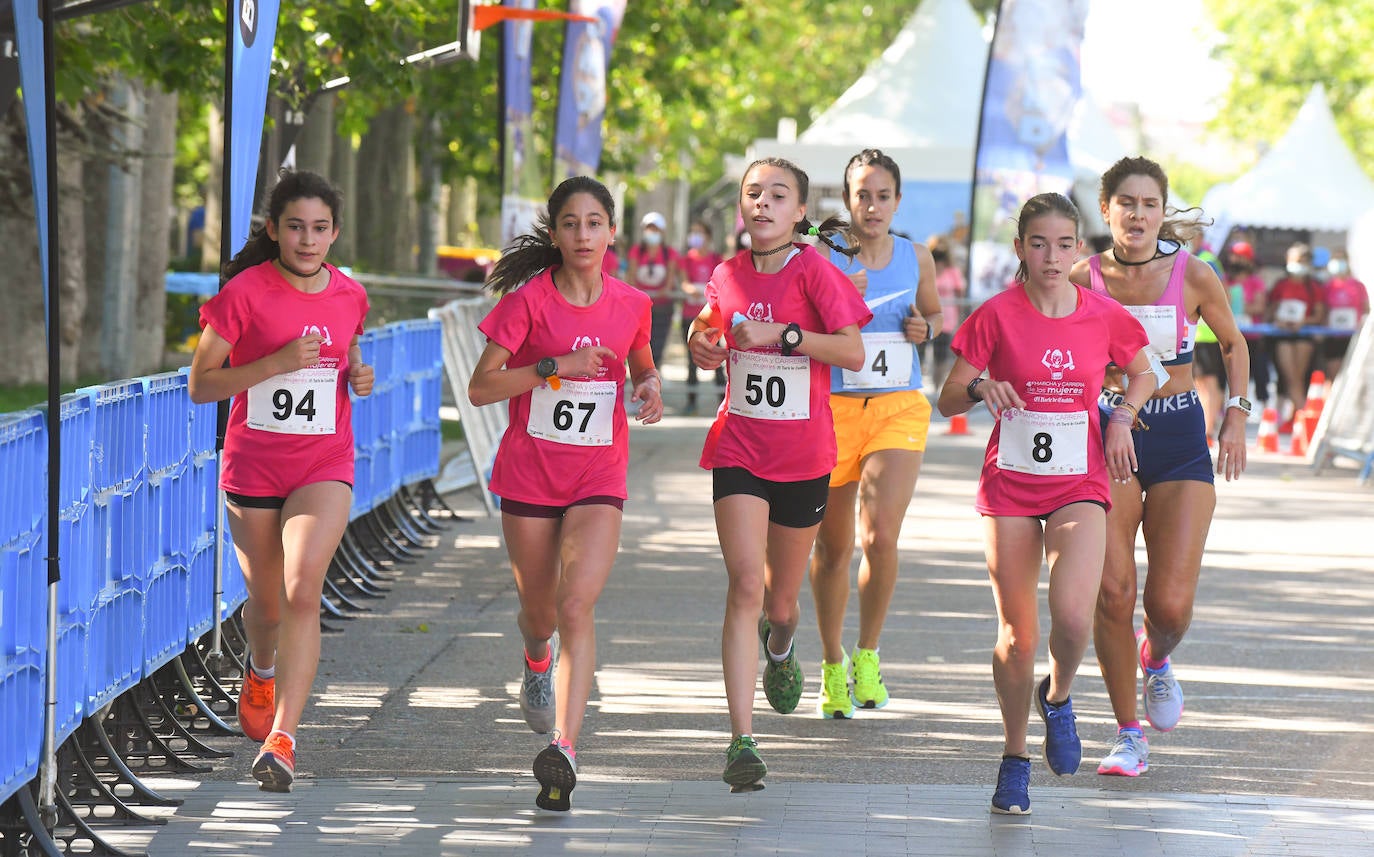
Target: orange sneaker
(275,766)
(257,705)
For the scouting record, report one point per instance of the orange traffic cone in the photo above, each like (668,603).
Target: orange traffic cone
(1268,440)
(1316,397)
(1302,433)
(958,424)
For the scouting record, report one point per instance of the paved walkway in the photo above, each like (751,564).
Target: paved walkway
(413,744)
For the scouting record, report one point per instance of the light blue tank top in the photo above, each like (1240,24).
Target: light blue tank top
(891,293)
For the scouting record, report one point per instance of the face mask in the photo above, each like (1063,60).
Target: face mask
(652,239)
(696,241)
(1338,267)
(1297,269)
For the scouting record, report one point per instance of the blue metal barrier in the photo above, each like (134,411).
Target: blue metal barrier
(138,501)
(23,598)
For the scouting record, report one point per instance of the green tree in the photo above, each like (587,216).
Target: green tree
(1278,49)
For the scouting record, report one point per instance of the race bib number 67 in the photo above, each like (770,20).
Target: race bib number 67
(578,413)
(300,402)
(1043,444)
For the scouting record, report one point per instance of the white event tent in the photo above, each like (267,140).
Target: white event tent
(1309,180)
(918,102)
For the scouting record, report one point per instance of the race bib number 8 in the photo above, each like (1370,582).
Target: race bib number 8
(300,402)
(578,413)
(1044,444)
(887,363)
(768,386)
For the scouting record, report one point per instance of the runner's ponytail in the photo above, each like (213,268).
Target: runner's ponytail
(830,226)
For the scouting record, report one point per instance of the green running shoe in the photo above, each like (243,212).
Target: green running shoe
(744,770)
(869,690)
(835,703)
(782,680)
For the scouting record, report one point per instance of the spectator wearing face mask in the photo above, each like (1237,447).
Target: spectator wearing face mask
(653,270)
(1294,301)
(695,266)
(1347,303)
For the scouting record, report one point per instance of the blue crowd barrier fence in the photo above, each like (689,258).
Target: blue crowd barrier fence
(138,502)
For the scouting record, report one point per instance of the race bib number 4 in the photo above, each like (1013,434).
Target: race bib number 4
(300,402)
(768,386)
(887,363)
(1043,444)
(578,413)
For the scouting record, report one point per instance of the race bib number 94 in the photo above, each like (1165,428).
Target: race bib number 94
(578,413)
(300,402)
(1043,444)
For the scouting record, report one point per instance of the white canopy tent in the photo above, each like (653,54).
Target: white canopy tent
(1309,180)
(918,102)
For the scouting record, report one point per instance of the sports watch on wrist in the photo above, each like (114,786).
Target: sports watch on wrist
(791,338)
(1239,402)
(547,367)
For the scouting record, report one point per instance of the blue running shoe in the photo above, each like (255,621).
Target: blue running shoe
(1013,787)
(1063,750)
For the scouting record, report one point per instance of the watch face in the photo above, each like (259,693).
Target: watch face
(1245,403)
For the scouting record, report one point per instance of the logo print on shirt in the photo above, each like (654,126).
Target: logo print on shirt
(1058,362)
(590,342)
(315,329)
(760,312)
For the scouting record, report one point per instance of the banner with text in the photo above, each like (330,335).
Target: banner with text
(522,184)
(255,31)
(582,87)
(1033,85)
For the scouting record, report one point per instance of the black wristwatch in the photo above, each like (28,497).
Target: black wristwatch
(972,388)
(547,367)
(791,338)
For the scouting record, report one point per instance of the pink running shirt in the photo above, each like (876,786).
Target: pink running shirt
(536,321)
(813,293)
(257,312)
(1057,366)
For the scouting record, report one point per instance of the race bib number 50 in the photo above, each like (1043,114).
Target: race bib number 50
(768,386)
(1043,444)
(300,402)
(578,413)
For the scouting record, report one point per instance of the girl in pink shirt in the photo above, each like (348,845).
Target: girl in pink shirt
(288,325)
(1044,345)
(557,345)
(781,315)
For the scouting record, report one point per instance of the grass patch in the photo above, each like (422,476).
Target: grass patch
(21,397)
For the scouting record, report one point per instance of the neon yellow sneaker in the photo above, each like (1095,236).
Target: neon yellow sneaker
(835,703)
(869,690)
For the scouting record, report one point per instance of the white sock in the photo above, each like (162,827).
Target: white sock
(264,674)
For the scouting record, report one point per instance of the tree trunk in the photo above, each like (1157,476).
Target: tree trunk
(23,357)
(431,225)
(343,172)
(210,250)
(315,143)
(118,264)
(384,210)
(155,236)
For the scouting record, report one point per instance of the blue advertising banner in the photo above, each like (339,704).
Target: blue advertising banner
(577,138)
(254,32)
(522,188)
(28,27)
(1033,85)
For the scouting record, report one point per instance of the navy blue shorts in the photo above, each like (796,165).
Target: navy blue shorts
(1174,448)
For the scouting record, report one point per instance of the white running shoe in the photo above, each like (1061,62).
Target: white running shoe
(1161,696)
(1130,755)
